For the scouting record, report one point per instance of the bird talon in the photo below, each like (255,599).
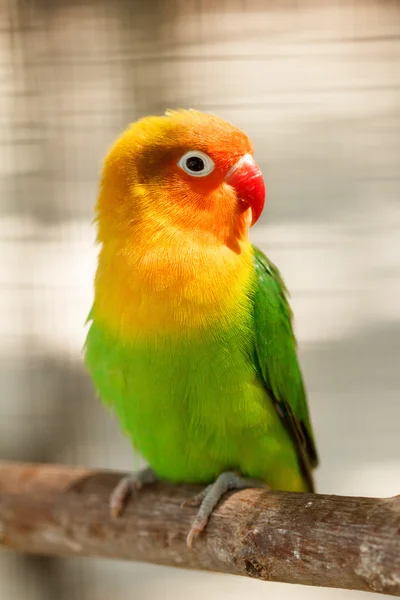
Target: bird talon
(198,527)
(211,495)
(194,501)
(119,497)
(125,488)
(185,503)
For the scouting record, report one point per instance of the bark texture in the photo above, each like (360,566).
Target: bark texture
(311,539)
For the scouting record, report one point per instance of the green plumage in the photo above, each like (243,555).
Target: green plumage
(231,399)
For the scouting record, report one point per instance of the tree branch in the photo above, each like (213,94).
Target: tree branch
(331,541)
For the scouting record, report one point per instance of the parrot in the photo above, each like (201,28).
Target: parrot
(191,340)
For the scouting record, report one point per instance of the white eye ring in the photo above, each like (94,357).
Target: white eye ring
(205,165)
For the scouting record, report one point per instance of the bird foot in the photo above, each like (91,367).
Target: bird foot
(197,499)
(211,495)
(126,487)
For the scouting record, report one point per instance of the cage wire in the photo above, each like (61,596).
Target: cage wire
(316,85)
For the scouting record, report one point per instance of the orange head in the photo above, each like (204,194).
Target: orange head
(187,169)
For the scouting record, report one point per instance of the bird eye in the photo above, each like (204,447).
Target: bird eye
(196,163)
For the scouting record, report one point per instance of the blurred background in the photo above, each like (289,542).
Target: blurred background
(316,84)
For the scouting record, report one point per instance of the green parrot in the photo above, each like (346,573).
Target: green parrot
(191,340)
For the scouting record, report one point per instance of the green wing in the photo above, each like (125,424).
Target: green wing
(277,360)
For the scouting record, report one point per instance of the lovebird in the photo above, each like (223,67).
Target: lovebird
(191,339)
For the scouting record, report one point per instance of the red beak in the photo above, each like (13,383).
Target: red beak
(246,178)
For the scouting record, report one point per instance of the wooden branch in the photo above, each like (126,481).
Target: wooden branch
(330,541)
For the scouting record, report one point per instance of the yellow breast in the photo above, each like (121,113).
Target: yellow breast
(175,287)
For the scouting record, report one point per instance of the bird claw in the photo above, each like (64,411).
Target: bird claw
(208,499)
(195,500)
(198,526)
(120,496)
(126,487)
(190,502)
